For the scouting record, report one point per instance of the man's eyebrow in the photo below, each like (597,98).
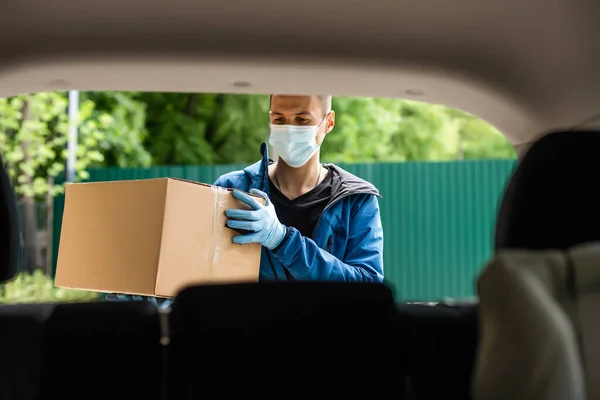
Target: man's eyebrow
(299,113)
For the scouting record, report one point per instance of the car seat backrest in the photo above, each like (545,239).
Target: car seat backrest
(80,351)
(285,339)
(22,329)
(552,200)
(10,237)
(440,343)
(539,324)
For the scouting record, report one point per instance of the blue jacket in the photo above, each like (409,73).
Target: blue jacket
(347,244)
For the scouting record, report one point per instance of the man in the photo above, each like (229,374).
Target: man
(319,222)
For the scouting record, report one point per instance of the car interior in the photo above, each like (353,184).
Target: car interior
(529,68)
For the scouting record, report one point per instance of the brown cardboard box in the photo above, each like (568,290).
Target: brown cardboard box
(150,237)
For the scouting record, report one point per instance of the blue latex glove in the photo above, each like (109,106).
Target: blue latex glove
(261,221)
(160,303)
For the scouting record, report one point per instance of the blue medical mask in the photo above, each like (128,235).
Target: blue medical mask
(295,144)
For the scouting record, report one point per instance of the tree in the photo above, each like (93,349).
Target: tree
(200,129)
(121,120)
(33,137)
(477,139)
(391,130)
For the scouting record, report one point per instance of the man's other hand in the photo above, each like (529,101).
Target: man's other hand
(261,221)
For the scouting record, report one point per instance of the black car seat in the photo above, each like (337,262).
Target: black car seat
(285,339)
(439,349)
(98,351)
(10,233)
(551,201)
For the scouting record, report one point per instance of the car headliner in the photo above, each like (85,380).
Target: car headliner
(526,66)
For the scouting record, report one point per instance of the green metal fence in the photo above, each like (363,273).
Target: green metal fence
(438,218)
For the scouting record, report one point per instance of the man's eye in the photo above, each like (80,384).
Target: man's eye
(278,121)
(303,120)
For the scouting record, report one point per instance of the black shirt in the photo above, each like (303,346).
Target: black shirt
(302,212)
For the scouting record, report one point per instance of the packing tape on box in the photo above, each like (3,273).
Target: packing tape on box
(220,196)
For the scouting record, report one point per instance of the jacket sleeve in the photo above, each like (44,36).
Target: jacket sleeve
(363,261)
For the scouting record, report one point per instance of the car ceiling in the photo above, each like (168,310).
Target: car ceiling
(526,66)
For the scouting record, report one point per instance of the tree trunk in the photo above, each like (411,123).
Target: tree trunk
(29,232)
(49,228)
(28,204)
(192,104)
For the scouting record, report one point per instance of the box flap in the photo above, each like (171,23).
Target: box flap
(110,236)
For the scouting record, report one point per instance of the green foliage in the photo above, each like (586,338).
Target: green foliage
(122,120)
(130,129)
(200,129)
(482,141)
(38,288)
(34,133)
(388,130)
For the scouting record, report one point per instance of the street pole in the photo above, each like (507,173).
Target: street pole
(72,140)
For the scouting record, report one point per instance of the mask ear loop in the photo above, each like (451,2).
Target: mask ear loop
(323,120)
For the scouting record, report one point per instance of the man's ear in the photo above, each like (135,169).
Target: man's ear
(330,121)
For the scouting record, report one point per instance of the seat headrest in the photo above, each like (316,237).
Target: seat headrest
(552,200)
(10,236)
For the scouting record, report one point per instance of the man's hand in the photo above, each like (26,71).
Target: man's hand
(261,221)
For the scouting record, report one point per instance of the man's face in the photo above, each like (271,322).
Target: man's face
(301,111)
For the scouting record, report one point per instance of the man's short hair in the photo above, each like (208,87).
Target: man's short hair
(324,100)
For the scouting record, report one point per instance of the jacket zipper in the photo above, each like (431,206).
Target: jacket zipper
(329,244)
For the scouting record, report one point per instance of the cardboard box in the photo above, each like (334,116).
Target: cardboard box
(150,237)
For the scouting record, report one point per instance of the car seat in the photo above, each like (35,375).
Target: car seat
(551,201)
(539,294)
(285,339)
(100,350)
